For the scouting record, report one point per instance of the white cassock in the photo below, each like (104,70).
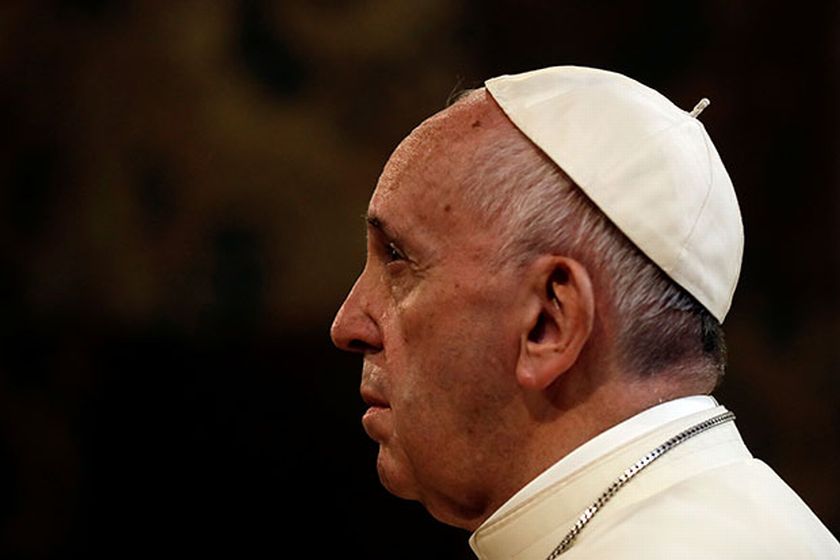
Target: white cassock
(706,498)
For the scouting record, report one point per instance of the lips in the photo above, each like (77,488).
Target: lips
(373,399)
(376,420)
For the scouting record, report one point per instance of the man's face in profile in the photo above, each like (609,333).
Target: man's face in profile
(434,321)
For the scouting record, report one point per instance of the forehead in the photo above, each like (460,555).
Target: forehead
(433,145)
(423,182)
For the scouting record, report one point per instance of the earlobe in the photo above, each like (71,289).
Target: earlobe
(562,312)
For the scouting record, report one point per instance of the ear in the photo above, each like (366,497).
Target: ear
(561,312)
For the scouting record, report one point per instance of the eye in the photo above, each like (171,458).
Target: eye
(393,253)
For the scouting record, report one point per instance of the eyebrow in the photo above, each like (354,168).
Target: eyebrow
(383,229)
(376,223)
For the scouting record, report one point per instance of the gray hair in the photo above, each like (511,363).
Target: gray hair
(541,211)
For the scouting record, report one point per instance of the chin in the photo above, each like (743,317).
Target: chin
(394,476)
(397,478)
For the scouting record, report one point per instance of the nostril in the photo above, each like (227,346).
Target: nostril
(358,345)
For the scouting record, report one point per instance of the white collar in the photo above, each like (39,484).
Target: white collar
(636,426)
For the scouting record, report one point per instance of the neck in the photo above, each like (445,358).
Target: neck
(561,422)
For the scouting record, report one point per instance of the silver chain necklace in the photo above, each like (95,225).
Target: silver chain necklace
(631,472)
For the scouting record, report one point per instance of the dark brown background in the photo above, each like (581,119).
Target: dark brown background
(182,185)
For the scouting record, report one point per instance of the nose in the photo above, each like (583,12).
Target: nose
(354,329)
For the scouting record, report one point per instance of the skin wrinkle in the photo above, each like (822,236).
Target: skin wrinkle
(472,421)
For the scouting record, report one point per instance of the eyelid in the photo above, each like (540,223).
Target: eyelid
(387,243)
(391,246)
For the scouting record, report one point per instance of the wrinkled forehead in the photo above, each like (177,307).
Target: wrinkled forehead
(421,192)
(437,153)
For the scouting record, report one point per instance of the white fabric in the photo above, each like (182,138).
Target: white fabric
(706,499)
(648,165)
(605,442)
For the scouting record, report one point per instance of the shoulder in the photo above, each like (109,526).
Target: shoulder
(740,510)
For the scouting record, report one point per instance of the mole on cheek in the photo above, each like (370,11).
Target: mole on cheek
(476,124)
(447,208)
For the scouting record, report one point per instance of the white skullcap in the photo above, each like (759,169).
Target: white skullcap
(647,164)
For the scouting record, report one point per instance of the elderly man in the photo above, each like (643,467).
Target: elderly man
(549,261)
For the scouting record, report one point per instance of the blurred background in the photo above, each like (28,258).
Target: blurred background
(182,191)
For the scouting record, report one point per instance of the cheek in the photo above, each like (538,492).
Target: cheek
(450,326)
(453,422)
(450,346)
(459,364)
(436,312)
(450,358)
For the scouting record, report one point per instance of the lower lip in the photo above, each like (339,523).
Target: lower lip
(374,411)
(374,421)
